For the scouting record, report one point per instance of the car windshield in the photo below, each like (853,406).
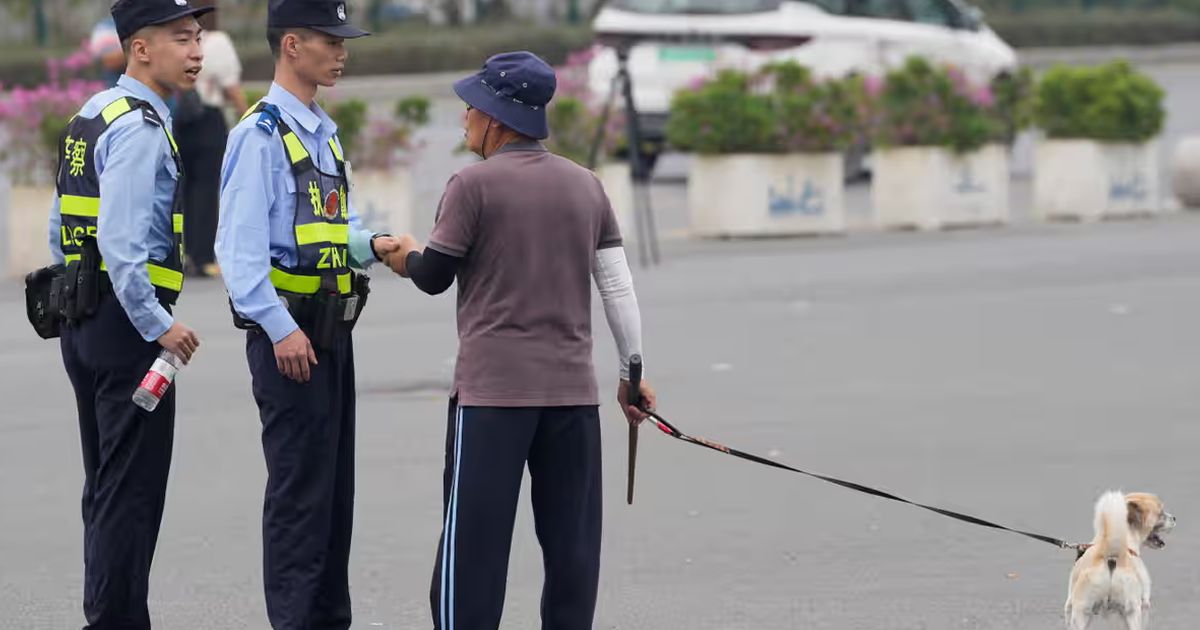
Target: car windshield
(695,7)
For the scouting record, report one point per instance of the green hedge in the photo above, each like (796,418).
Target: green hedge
(414,49)
(404,50)
(27,65)
(1098,28)
(430,49)
(1112,102)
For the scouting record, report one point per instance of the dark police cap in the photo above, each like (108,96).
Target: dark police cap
(130,16)
(326,16)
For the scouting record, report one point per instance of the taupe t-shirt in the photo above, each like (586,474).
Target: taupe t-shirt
(526,224)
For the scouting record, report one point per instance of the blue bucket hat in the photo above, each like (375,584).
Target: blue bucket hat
(514,89)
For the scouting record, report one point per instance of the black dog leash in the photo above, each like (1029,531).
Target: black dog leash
(669,429)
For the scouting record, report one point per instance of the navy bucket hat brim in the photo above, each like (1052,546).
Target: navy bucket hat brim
(514,89)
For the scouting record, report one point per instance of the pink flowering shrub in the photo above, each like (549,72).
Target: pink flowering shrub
(780,109)
(921,104)
(375,143)
(576,114)
(33,119)
(815,116)
(389,142)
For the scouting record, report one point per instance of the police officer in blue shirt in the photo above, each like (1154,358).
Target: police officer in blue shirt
(116,225)
(287,243)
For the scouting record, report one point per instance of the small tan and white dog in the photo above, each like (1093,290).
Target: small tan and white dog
(1110,577)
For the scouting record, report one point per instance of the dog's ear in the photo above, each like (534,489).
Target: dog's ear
(1137,516)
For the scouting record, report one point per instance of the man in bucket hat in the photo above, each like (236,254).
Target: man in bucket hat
(524,231)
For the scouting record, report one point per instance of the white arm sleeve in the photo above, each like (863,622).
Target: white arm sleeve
(611,272)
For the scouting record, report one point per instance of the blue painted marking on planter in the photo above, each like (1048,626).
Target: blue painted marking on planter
(966,184)
(1130,188)
(808,201)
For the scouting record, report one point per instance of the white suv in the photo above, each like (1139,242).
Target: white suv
(671,43)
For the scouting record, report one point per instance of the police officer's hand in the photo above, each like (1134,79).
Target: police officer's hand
(384,245)
(293,355)
(649,402)
(180,341)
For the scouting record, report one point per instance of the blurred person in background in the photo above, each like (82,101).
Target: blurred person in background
(202,119)
(105,46)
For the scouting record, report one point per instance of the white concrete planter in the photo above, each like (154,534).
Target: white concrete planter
(384,199)
(928,188)
(617,179)
(978,192)
(1185,172)
(766,195)
(24,228)
(1087,180)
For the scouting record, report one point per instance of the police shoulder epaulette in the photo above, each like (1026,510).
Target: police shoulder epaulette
(268,119)
(151,116)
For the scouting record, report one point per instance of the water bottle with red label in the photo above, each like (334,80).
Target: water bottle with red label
(157,381)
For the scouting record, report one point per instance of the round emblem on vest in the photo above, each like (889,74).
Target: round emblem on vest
(333,204)
(342,12)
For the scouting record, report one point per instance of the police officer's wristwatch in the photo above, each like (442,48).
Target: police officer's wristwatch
(373,251)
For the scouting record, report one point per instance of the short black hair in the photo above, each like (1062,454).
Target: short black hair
(127,43)
(275,37)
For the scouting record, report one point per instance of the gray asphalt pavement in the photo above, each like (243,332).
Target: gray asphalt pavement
(1012,374)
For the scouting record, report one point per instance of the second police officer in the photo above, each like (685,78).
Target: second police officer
(288,243)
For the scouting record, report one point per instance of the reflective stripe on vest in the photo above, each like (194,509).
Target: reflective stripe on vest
(332,233)
(77,206)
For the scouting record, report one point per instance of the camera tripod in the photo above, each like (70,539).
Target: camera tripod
(643,212)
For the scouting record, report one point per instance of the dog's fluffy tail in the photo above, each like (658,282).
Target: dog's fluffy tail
(1112,526)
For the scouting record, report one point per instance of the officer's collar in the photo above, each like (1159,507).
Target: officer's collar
(143,91)
(308,119)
